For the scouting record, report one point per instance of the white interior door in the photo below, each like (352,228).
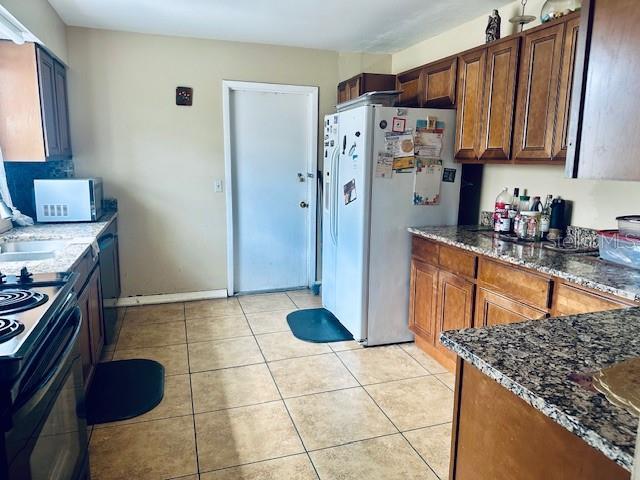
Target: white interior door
(272,132)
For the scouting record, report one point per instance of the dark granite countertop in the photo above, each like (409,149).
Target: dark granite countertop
(534,360)
(588,271)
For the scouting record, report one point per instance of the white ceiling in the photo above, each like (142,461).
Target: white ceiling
(381,26)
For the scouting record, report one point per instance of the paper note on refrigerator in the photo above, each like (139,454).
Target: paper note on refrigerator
(428,142)
(399,145)
(384,165)
(426,190)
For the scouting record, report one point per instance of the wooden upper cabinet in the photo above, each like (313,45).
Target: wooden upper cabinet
(567,69)
(454,304)
(498,100)
(604,140)
(411,85)
(439,84)
(471,67)
(422,302)
(363,83)
(34,125)
(538,93)
(495,309)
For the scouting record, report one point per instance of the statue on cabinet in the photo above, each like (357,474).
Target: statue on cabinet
(493,27)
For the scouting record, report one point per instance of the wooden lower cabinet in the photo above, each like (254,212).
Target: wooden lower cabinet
(92,329)
(422,307)
(454,304)
(573,301)
(495,309)
(498,436)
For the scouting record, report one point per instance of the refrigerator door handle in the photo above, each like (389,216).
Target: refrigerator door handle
(334,181)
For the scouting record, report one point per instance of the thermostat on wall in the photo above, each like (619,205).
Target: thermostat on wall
(184,96)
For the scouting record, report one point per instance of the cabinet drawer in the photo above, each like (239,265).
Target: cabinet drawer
(514,283)
(457,261)
(424,250)
(572,301)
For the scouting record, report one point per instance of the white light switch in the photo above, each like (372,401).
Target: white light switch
(217,186)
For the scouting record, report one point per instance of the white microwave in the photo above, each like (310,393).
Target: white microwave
(68,199)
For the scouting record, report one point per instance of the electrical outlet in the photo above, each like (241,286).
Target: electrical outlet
(217,186)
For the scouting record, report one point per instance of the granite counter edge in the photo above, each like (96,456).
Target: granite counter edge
(566,421)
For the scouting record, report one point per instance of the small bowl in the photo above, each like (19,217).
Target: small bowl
(629,225)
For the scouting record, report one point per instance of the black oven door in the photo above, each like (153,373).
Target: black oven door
(48,434)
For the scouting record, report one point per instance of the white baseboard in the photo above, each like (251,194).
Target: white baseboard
(165,298)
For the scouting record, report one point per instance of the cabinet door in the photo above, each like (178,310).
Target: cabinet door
(354,88)
(469,97)
(48,103)
(494,309)
(422,300)
(439,84)
(564,92)
(343,92)
(96,325)
(538,93)
(85,337)
(410,84)
(498,100)
(454,305)
(60,76)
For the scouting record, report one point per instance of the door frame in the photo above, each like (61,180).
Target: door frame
(229,86)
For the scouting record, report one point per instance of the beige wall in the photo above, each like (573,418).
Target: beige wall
(353,63)
(160,160)
(41,20)
(595,203)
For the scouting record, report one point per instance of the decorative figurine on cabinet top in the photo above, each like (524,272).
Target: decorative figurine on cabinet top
(493,27)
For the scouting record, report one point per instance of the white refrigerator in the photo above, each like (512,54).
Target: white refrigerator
(366,248)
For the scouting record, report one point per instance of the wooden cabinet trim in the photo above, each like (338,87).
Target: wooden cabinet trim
(460,310)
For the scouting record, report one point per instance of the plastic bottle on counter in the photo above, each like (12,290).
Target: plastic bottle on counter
(545,219)
(501,221)
(518,224)
(513,210)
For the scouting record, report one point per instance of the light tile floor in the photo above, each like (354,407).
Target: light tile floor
(245,400)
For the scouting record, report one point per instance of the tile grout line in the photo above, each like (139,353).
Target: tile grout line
(388,418)
(295,427)
(193,408)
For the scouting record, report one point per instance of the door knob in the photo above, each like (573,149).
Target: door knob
(304,204)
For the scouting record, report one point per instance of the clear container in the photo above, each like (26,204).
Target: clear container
(558,8)
(529,226)
(618,248)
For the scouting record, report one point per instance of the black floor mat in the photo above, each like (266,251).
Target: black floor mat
(124,389)
(317,325)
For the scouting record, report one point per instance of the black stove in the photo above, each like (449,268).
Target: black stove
(43,431)
(28,307)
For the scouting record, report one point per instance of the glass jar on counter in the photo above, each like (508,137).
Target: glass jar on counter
(529,226)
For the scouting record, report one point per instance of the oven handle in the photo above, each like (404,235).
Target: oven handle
(76,323)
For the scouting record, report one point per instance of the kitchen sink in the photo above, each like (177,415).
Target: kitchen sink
(30,250)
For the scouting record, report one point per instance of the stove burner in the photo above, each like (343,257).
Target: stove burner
(16,300)
(9,329)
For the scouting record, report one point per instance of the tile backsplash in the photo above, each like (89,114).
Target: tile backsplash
(20,177)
